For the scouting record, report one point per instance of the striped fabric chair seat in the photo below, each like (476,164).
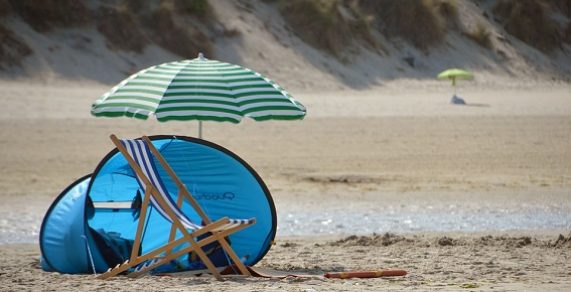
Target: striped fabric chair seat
(192,237)
(142,155)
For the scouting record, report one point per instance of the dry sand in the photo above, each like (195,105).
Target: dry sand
(397,145)
(443,262)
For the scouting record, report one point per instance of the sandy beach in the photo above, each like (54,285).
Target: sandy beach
(381,152)
(451,262)
(382,173)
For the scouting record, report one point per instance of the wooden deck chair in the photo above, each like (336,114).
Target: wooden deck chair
(139,155)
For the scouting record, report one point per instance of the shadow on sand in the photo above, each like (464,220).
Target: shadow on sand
(474,104)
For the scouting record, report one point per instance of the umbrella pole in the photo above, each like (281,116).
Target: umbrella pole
(200,129)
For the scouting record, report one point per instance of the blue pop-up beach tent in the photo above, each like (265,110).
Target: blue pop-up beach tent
(98,212)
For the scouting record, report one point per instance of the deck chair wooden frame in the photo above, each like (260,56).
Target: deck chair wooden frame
(219,229)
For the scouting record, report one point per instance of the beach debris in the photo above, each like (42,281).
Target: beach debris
(374,240)
(562,241)
(289,244)
(446,241)
(365,274)
(469,285)
(343,178)
(523,241)
(388,239)
(507,241)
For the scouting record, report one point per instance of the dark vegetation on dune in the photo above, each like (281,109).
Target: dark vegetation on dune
(326,24)
(121,28)
(422,23)
(337,27)
(564,7)
(186,41)
(180,26)
(172,24)
(336,24)
(333,25)
(46,15)
(480,35)
(12,48)
(528,20)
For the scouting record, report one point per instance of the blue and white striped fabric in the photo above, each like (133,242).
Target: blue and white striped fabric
(234,223)
(142,155)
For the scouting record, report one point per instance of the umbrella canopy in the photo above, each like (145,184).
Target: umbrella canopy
(455,73)
(198,89)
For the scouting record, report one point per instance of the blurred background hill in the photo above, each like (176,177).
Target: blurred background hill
(305,44)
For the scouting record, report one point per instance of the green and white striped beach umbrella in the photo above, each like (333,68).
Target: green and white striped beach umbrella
(198,89)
